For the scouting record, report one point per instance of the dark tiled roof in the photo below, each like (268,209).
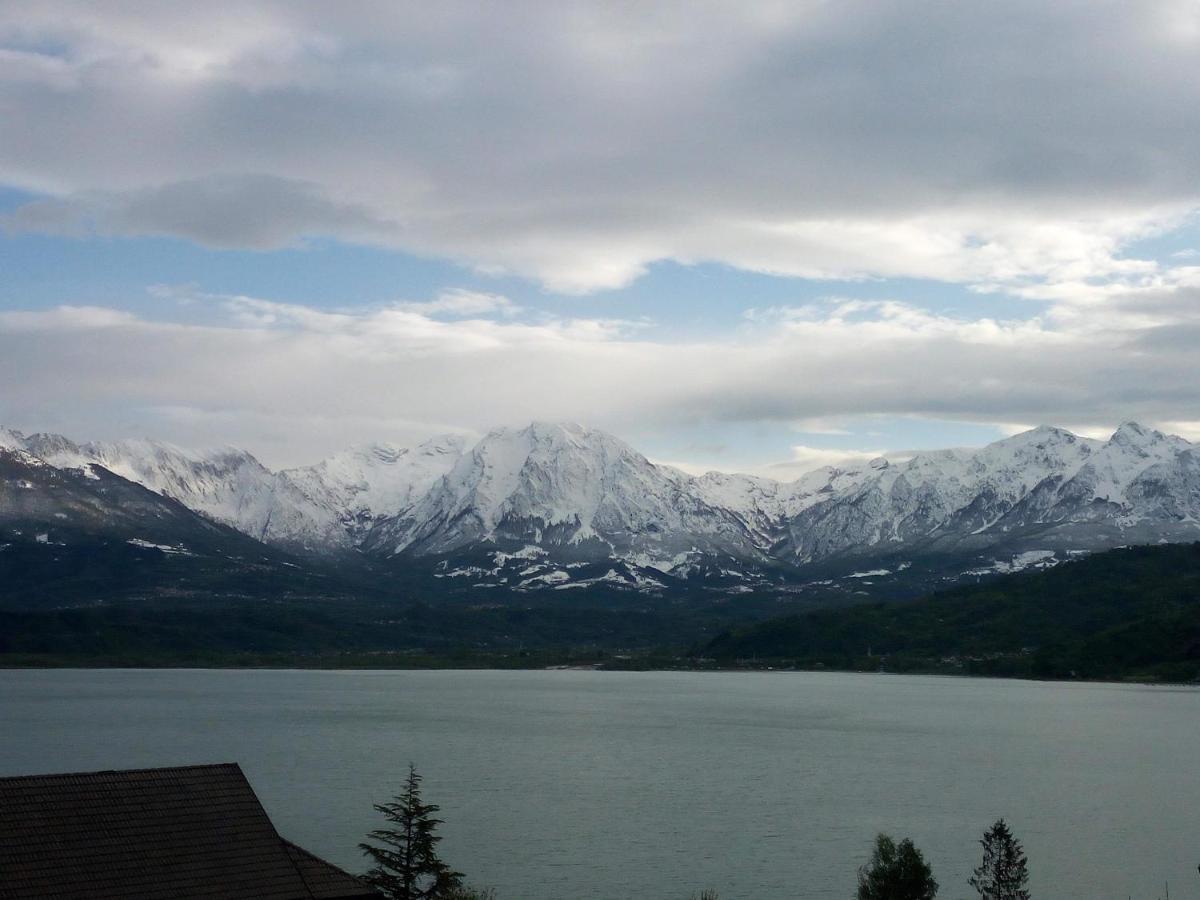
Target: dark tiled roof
(326,881)
(152,834)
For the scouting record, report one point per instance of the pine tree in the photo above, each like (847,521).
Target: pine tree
(1002,875)
(407,866)
(896,872)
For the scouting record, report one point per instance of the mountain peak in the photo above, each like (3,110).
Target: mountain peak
(1042,434)
(538,439)
(1133,433)
(551,426)
(375,452)
(555,498)
(443,443)
(1050,431)
(11,440)
(559,431)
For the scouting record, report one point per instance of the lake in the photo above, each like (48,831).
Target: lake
(562,785)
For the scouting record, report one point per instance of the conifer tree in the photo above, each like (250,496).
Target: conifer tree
(896,872)
(407,866)
(1002,875)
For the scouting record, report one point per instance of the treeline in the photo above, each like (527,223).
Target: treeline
(898,871)
(1125,613)
(406,864)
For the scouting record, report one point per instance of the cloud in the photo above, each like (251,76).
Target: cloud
(259,212)
(461,303)
(1189,430)
(289,381)
(821,426)
(64,319)
(805,459)
(1031,151)
(1011,145)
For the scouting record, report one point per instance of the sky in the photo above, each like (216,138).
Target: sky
(760,236)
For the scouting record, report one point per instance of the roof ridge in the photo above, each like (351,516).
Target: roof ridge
(192,767)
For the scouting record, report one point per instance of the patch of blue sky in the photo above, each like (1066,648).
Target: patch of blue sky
(41,271)
(11,198)
(688,301)
(895,433)
(709,296)
(1178,246)
(40,45)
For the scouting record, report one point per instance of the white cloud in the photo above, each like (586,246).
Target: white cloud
(63,318)
(284,378)
(1023,149)
(1189,430)
(461,303)
(805,459)
(1016,145)
(821,426)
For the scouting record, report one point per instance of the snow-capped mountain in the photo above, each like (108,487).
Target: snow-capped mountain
(945,493)
(561,506)
(576,495)
(562,485)
(1046,488)
(45,505)
(366,483)
(227,485)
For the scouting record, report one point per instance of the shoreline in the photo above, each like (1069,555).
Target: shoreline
(698,670)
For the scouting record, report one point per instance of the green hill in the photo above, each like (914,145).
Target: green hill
(1130,613)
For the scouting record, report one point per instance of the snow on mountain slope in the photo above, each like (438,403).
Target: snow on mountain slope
(54,506)
(11,440)
(1126,458)
(1034,480)
(365,483)
(566,486)
(556,505)
(759,503)
(764,505)
(228,485)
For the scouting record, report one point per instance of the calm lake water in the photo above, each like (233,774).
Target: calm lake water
(564,785)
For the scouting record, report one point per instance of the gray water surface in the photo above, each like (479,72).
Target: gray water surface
(557,785)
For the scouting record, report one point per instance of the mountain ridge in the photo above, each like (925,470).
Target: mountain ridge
(555,506)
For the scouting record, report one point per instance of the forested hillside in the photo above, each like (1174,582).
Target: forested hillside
(1125,613)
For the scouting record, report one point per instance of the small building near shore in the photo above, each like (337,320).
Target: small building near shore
(154,834)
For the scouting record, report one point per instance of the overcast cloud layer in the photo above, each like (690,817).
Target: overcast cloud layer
(1017,149)
(267,372)
(577,142)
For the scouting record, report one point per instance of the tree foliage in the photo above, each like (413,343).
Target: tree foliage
(896,872)
(407,866)
(1002,875)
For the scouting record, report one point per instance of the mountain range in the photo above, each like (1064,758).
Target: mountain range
(562,508)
